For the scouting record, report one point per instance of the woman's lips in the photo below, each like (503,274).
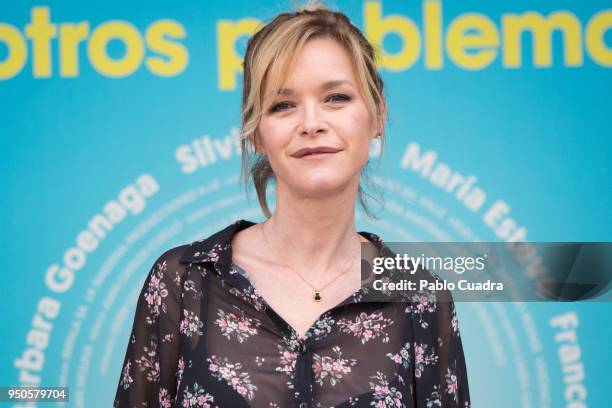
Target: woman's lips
(316,152)
(316,156)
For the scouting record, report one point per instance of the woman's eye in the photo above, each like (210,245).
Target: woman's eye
(334,98)
(338,97)
(279,107)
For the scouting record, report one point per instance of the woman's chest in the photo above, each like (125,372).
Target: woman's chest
(298,303)
(248,356)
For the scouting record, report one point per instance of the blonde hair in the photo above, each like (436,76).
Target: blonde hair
(267,60)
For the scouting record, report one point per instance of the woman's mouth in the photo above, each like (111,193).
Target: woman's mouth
(314,153)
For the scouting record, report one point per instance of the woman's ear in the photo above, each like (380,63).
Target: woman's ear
(255,140)
(382,119)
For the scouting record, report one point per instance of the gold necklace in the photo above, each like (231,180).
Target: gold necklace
(317,291)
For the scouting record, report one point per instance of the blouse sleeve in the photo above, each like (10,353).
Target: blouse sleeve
(440,372)
(149,373)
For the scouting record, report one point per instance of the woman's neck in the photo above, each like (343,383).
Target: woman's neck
(314,235)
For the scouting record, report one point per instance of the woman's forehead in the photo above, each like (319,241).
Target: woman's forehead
(321,63)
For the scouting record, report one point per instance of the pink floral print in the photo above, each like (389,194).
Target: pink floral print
(196,397)
(455,322)
(451,384)
(156,292)
(234,326)
(165,399)
(189,287)
(287,360)
(223,369)
(149,362)
(250,296)
(126,378)
(179,370)
(385,396)
(323,326)
(191,324)
(434,399)
(403,357)
(422,305)
(422,359)
(331,369)
(286,364)
(367,326)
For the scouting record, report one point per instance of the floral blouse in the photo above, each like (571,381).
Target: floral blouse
(204,337)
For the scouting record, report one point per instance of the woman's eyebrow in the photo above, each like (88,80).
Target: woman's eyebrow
(325,86)
(332,84)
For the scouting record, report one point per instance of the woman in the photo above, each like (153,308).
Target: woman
(273,314)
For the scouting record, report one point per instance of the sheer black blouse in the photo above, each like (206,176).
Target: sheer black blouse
(204,337)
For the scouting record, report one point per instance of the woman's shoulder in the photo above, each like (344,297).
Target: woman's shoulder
(173,255)
(214,249)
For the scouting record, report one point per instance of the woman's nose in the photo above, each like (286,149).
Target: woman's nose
(312,121)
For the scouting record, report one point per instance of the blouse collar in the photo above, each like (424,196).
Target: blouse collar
(217,248)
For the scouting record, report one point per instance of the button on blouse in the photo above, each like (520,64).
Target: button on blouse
(204,337)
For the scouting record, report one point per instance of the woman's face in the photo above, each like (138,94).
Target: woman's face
(319,106)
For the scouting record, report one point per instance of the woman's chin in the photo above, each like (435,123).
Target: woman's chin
(321,187)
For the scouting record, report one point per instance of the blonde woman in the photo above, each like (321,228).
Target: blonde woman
(273,314)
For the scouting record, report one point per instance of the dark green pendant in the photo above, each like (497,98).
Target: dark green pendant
(317,296)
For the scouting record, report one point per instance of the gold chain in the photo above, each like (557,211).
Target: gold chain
(317,291)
